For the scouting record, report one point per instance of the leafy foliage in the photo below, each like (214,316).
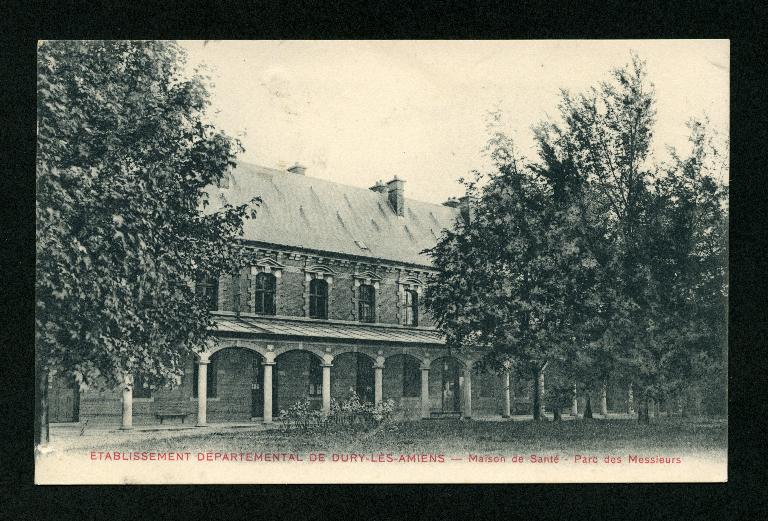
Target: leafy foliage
(123,226)
(592,258)
(351,414)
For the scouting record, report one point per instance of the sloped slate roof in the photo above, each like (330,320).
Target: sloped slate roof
(305,212)
(325,330)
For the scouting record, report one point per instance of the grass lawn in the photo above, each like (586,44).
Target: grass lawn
(684,436)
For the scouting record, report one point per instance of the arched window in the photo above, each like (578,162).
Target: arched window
(265,294)
(208,291)
(318,299)
(411,308)
(366,303)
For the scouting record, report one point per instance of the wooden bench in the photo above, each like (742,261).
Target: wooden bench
(173,409)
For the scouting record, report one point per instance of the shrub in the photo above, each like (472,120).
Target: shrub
(351,414)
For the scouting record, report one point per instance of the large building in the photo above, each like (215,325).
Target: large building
(332,304)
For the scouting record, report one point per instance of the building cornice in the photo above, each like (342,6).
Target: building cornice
(332,254)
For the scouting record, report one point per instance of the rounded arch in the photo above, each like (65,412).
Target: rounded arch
(322,356)
(448,356)
(208,353)
(413,354)
(234,377)
(370,353)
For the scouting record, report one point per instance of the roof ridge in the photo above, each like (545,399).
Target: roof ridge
(271,170)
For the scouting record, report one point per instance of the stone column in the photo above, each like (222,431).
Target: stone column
(327,388)
(425,405)
(202,392)
(604,399)
(127,400)
(468,390)
(575,403)
(267,415)
(507,411)
(378,374)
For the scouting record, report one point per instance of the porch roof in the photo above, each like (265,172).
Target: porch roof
(278,327)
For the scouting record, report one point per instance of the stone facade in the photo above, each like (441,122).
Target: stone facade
(254,376)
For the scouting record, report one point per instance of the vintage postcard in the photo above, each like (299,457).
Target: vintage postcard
(382,261)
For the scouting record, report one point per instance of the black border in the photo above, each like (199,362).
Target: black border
(739,22)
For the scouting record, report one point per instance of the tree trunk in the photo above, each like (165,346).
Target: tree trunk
(643,415)
(630,401)
(575,403)
(604,399)
(542,394)
(538,392)
(41,431)
(588,408)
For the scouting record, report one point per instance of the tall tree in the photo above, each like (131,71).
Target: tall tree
(511,275)
(638,219)
(688,277)
(603,140)
(123,230)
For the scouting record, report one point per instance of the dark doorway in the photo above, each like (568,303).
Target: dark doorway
(64,400)
(365,378)
(257,389)
(451,395)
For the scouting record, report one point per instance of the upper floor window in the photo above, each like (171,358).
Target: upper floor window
(366,303)
(265,294)
(318,298)
(411,308)
(208,291)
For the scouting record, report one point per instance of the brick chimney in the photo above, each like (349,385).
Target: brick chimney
(297,169)
(467,207)
(396,191)
(452,202)
(379,187)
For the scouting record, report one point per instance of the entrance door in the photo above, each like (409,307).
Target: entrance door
(451,399)
(63,400)
(257,389)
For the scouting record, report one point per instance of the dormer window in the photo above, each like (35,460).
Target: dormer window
(411,308)
(366,303)
(318,299)
(265,294)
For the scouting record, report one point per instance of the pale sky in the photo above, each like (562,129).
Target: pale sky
(354,112)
